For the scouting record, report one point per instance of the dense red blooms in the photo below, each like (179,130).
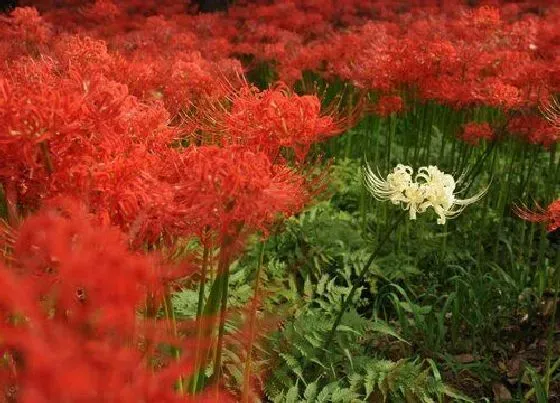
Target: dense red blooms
(83,135)
(266,121)
(534,129)
(23,32)
(194,78)
(474,132)
(70,258)
(224,188)
(550,216)
(501,55)
(388,104)
(70,328)
(102,11)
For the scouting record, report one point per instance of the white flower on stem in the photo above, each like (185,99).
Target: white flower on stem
(429,188)
(393,187)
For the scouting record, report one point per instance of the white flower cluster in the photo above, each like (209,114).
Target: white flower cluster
(429,188)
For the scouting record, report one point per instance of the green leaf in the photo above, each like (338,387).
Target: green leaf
(213,304)
(310,392)
(416,309)
(279,398)
(344,328)
(292,395)
(308,288)
(385,328)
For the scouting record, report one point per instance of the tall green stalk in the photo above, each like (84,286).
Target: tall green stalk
(199,316)
(551,326)
(170,316)
(252,325)
(358,282)
(223,275)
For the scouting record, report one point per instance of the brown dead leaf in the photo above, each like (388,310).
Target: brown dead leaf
(513,368)
(464,358)
(501,393)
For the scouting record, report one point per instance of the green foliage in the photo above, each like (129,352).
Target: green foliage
(317,241)
(347,370)
(433,293)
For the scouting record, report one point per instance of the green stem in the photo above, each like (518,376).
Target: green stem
(170,315)
(349,133)
(200,325)
(428,130)
(252,324)
(477,168)
(503,198)
(418,139)
(443,136)
(529,173)
(552,325)
(348,300)
(389,139)
(223,273)
(377,138)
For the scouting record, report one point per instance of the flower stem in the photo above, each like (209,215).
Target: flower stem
(200,324)
(170,315)
(223,274)
(252,325)
(552,325)
(348,300)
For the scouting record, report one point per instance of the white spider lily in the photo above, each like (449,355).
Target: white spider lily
(429,188)
(394,187)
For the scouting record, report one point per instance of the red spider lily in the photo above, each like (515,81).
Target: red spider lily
(550,216)
(474,132)
(26,24)
(189,82)
(494,92)
(102,11)
(83,54)
(535,130)
(24,32)
(71,334)
(83,136)
(35,108)
(501,55)
(225,188)
(389,104)
(266,121)
(58,248)
(180,80)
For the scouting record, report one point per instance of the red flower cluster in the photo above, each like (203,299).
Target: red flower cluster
(534,129)
(70,327)
(96,120)
(503,56)
(389,104)
(266,121)
(550,215)
(228,188)
(474,132)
